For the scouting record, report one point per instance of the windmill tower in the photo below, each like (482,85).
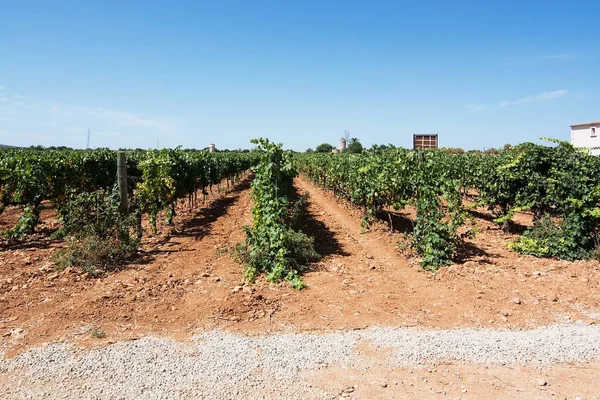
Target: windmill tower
(343,142)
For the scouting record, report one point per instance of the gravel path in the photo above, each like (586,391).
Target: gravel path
(219,365)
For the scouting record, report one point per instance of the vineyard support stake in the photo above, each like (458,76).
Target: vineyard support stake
(122,182)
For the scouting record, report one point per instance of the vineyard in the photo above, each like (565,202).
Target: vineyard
(97,249)
(556,184)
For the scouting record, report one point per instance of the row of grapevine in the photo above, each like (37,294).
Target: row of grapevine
(273,246)
(559,184)
(158,178)
(394,179)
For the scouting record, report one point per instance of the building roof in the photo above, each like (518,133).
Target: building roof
(586,124)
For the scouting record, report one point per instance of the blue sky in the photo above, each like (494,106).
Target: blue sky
(478,73)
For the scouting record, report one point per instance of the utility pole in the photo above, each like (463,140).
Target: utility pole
(88,139)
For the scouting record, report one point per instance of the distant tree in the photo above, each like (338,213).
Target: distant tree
(452,150)
(491,150)
(381,148)
(309,150)
(324,148)
(354,146)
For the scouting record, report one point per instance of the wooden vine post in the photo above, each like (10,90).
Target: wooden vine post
(122,181)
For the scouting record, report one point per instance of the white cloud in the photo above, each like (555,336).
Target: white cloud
(54,123)
(532,99)
(475,107)
(118,118)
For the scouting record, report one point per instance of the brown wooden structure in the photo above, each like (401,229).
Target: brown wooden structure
(425,141)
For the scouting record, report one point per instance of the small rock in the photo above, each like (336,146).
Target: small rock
(383,384)
(516,300)
(53,276)
(463,389)
(16,332)
(537,273)
(552,297)
(206,275)
(217,279)
(541,382)
(237,289)
(349,389)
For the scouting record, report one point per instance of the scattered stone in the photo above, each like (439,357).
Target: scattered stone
(217,279)
(384,384)
(206,275)
(516,300)
(541,382)
(349,389)
(237,289)
(16,332)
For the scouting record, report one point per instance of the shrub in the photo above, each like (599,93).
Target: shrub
(99,237)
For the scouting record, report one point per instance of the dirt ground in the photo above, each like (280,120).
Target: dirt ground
(187,281)
(454,381)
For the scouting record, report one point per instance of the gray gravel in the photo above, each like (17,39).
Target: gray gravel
(220,365)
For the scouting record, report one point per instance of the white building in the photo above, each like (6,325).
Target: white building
(586,135)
